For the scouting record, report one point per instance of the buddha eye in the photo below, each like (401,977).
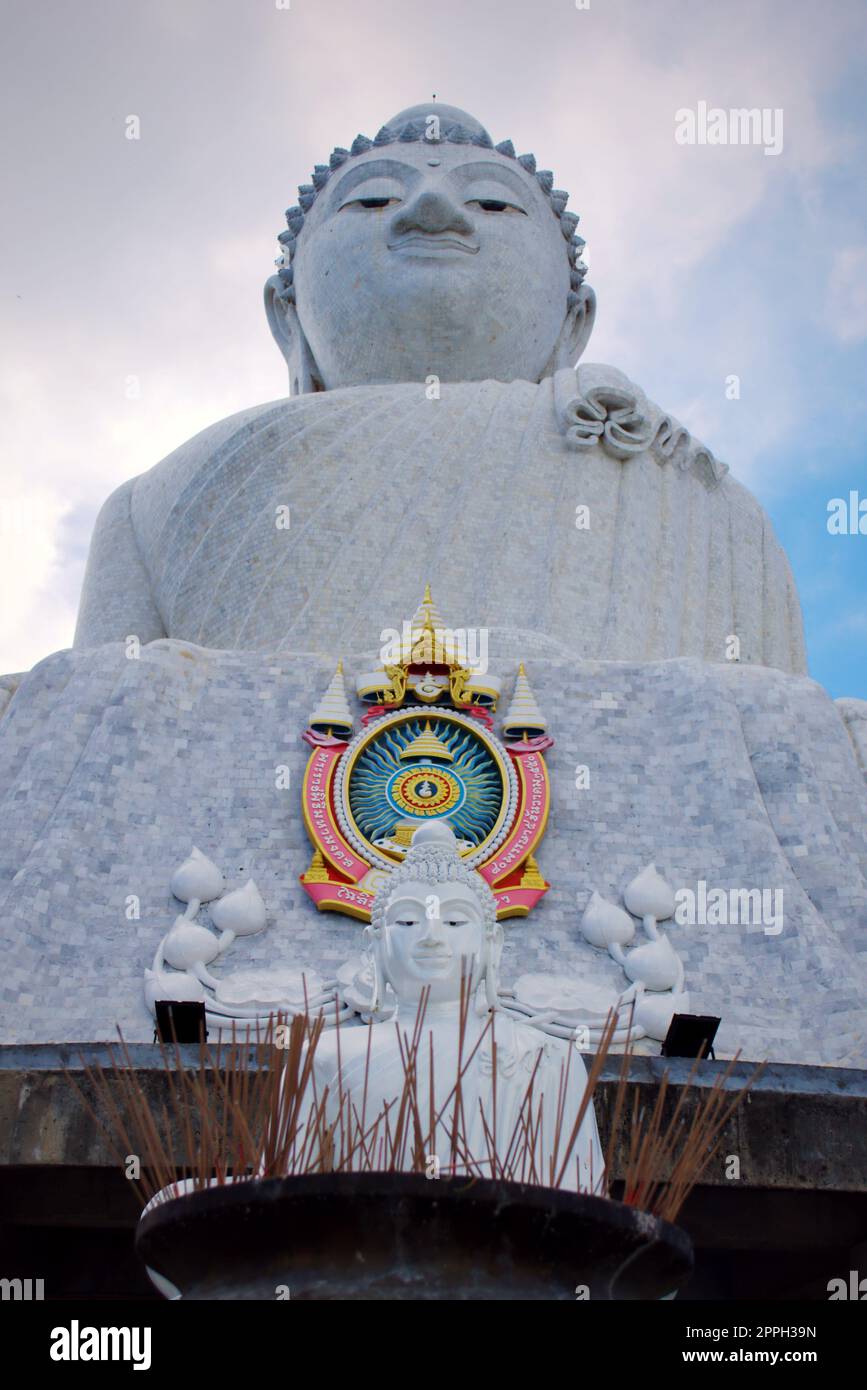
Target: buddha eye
(495,205)
(371,203)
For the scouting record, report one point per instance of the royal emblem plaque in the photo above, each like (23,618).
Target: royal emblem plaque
(365,795)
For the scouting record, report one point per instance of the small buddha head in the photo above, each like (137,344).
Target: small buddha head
(428,251)
(434,925)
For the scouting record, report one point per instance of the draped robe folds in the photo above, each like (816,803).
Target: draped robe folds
(475,492)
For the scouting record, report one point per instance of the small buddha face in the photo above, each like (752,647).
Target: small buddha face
(425,258)
(432,935)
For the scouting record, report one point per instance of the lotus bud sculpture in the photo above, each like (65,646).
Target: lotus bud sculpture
(239,913)
(604,924)
(197,880)
(648,895)
(189,945)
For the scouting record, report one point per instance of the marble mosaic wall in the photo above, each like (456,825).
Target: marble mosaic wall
(743,777)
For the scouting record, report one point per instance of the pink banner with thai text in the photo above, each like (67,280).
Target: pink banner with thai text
(528,828)
(319,815)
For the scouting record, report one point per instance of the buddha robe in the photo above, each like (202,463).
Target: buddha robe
(570,518)
(536,1076)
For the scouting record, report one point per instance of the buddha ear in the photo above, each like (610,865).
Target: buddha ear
(575,333)
(289,336)
(493,952)
(373,946)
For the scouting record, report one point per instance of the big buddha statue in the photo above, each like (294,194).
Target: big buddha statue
(431,304)
(441,426)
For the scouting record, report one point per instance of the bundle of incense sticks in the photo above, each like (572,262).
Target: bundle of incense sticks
(251,1108)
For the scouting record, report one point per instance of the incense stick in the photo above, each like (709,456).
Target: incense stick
(252,1108)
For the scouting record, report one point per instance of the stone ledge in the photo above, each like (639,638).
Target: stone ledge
(801,1128)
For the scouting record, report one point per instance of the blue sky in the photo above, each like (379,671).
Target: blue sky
(146,259)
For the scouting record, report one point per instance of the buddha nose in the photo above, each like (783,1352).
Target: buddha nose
(433,934)
(431,211)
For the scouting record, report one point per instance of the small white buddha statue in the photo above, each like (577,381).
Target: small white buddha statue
(434,927)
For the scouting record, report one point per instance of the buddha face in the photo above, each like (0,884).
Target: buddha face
(424,258)
(431,936)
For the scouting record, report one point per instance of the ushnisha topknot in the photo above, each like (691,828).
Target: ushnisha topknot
(446,130)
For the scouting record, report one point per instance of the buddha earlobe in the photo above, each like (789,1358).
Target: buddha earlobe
(372,938)
(576,330)
(493,949)
(289,336)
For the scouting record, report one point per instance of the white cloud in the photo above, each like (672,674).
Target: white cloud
(38,610)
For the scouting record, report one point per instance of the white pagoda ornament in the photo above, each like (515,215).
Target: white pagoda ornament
(332,715)
(523,719)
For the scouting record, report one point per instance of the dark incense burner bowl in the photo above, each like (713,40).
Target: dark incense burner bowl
(336,1236)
